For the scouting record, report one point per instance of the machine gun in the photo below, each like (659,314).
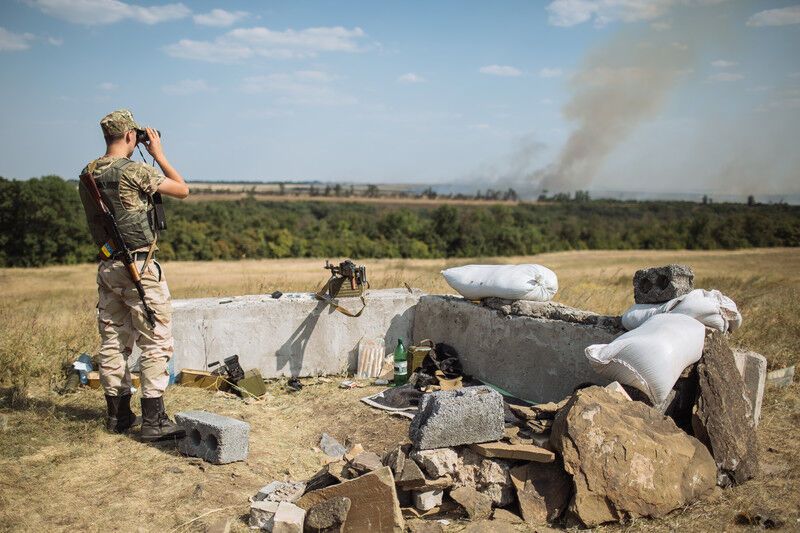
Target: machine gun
(230,369)
(347,281)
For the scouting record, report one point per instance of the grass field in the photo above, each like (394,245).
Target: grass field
(60,471)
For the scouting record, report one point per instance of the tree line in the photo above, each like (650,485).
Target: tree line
(42,222)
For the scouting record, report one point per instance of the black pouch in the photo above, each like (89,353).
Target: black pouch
(159,217)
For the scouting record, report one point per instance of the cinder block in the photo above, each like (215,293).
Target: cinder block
(462,416)
(212,437)
(753,368)
(661,284)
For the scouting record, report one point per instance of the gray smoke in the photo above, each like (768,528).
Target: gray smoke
(619,86)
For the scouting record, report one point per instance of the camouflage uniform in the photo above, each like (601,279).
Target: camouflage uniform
(121,319)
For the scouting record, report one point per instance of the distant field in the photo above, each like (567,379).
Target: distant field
(59,471)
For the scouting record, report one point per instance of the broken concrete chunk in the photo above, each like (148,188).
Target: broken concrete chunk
(478,506)
(262,514)
(627,460)
(437,462)
(521,452)
(289,518)
(783,377)
(328,516)
(543,491)
(331,446)
(720,419)
(427,500)
(280,491)
(366,462)
(373,498)
(660,284)
(753,369)
(462,416)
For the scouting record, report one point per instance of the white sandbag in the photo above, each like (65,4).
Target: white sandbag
(712,308)
(652,356)
(510,282)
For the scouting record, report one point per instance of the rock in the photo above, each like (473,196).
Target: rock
(627,460)
(489,526)
(444,482)
(504,515)
(437,462)
(543,491)
(328,516)
(425,501)
(720,420)
(288,519)
(373,498)
(353,451)
(396,459)
(279,491)
(619,389)
(330,474)
(780,378)
(461,416)
(478,506)
(491,477)
(262,514)
(331,446)
(412,477)
(424,526)
(542,411)
(366,462)
(519,452)
(753,369)
(660,284)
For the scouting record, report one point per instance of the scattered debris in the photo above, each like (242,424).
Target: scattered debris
(781,378)
(660,284)
(720,419)
(463,416)
(277,294)
(626,459)
(293,385)
(543,491)
(262,515)
(350,384)
(365,462)
(288,518)
(331,447)
(328,516)
(478,506)
(281,491)
(374,505)
(214,438)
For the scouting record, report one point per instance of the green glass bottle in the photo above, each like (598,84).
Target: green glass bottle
(400,364)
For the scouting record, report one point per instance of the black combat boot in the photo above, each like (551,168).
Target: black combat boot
(156,425)
(120,418)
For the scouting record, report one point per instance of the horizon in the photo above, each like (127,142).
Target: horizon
(655,98)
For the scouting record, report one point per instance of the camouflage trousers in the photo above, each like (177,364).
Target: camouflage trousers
(122,322)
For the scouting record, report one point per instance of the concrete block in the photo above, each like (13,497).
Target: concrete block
(295,335)
(425,501)
(289,518)
(462,416)
(536,359)
(753,368)
(661,284)
(214,438)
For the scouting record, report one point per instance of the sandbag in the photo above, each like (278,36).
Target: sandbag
(712,308)
(652,356)
(510,282)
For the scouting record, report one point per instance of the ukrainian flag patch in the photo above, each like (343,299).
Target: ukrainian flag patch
(107,249)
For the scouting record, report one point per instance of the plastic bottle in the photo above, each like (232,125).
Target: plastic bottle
(400,364)
(84,366)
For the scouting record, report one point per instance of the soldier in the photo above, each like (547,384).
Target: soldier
(127,188)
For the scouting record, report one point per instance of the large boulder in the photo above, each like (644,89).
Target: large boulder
(627,459)
(721,416)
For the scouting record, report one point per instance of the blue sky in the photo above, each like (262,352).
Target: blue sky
(665,95)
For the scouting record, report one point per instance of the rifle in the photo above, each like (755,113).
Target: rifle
(118,244)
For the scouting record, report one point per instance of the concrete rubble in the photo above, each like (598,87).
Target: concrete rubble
(662,284)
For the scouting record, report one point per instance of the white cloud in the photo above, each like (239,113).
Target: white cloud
(721,63)
(500,70)
(96,12)
(776,17)
(550,72)
(186,87)
(566,13)
(411,77)
(219,18)
(107,86)
(302,88)
(244,43)
(726,76)
(14,42)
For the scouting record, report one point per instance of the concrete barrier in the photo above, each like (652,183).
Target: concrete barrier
(295,335)
(536,359)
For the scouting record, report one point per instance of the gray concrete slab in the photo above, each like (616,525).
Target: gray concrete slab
(537,359)
(753,368)
(295,335)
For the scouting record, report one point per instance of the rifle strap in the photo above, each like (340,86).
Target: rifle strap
(322,295)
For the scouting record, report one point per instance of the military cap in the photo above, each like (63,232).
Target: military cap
(118,122)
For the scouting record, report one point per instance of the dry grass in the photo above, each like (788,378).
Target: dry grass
(59,471)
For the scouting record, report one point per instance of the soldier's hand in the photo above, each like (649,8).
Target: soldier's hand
(153,143)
